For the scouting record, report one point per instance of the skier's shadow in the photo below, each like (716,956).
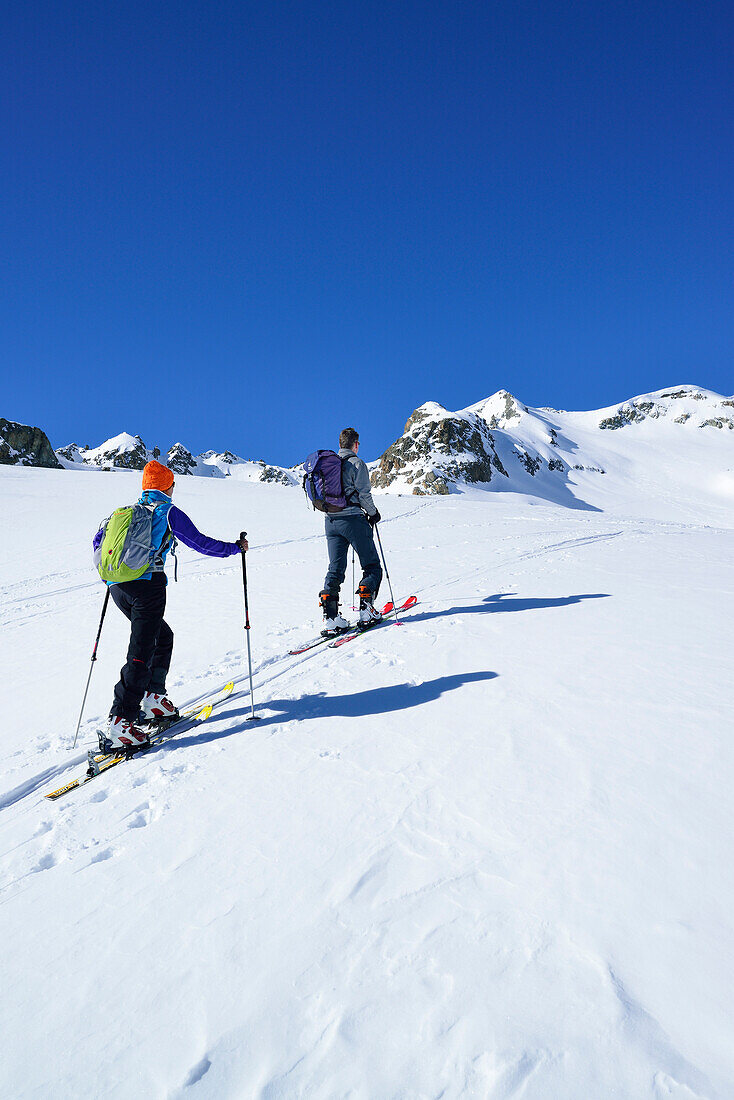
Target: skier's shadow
(503,601)
(359,704)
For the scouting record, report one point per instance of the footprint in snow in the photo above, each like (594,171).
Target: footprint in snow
(44,863)
(196,1074)
(100,857)
(140,817)
(177,769)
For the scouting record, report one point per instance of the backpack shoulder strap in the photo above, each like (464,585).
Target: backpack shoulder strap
(349,499)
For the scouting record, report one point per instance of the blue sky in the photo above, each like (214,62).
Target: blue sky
(249,225)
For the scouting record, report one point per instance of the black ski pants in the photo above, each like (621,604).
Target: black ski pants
(341,533)
(151,643)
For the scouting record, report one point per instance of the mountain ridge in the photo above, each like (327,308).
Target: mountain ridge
(678,436)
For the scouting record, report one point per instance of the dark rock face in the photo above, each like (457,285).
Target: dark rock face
(531,465)
(180,460)
(436,450)
(22,445)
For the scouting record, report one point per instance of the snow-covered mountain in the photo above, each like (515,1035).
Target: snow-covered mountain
(681,437)
(122,452)
(129,452)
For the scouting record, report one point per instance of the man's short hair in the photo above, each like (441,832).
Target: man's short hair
(348,438)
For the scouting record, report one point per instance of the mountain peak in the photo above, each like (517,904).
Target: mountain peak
(427,409)
(501,407)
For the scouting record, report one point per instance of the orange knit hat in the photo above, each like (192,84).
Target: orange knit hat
(157,476)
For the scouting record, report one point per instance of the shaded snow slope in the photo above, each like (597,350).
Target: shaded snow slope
(487,853)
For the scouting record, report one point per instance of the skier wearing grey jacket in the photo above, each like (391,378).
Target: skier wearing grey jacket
(352,526)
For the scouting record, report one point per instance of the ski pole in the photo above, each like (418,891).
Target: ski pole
(353,588)
(253,717)
(389,585)
(94,658)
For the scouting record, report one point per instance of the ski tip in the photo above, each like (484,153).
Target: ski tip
(228,687)
(404,606)
(204,712)
(52,795)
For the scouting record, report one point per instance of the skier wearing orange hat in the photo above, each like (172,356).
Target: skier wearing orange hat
(140,695)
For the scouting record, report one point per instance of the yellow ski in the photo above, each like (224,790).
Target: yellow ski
(102,762)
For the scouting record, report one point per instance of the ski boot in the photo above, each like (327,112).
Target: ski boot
(157,710)
(122,736)
(333,623)
(368,613)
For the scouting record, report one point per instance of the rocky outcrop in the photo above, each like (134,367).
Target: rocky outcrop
(630,414)
(225,456)
(530,463)
(22,445)
(276,474)
(181,460)
(718,422)
(72,452)
(659,405)
(437,449)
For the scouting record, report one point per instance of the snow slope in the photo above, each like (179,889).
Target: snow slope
(487,853)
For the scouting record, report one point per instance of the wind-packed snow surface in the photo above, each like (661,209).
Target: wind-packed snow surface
(487,853)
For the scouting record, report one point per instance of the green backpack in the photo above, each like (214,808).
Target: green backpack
(126,551)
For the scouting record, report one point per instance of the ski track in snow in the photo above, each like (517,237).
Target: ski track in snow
(486,854)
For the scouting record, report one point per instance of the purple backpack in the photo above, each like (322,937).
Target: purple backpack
(322,481)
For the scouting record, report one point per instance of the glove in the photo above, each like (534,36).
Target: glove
(243,545)
(372,520)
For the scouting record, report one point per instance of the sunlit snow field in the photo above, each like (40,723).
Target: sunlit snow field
(486,853)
